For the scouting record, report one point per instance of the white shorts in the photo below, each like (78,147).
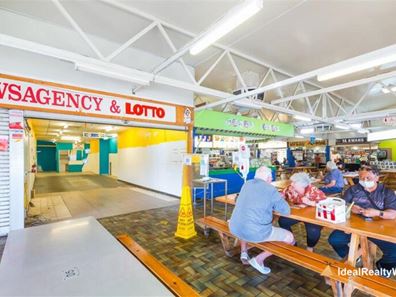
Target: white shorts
(278,234)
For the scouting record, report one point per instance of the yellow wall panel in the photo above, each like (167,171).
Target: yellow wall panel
(94,146)
(389,144)
(141,137)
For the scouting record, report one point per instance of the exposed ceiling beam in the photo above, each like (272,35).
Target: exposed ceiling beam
(77,28)
(350,84)
(184,49)
(132,40)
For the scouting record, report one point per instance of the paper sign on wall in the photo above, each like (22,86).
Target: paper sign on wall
(3,143)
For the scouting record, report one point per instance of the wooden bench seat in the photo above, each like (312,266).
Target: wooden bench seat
(174,283)
(230,199)
(325,266)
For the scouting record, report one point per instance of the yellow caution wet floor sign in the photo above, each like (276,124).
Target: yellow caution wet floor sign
(185,222)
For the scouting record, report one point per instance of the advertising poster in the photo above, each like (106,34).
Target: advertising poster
(3,143)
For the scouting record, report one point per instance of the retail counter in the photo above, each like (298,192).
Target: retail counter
(235,182)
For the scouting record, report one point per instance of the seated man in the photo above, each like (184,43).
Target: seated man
(251,219)
(371,200)
(334,180)
(301,194)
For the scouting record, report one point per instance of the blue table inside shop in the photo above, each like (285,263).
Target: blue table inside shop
(234,183)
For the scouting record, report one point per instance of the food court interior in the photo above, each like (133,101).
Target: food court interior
(138,138)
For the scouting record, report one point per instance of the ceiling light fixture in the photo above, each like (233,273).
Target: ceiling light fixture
(387,134)
(247,103)
(343,127)
(363,131)
(110,71)
(299,136)
(302,118)
(307,130)
(108,129)
(356,125)
(227,23)
(379,57)
(66,126)
(385,90)
(71,138)
(393,89)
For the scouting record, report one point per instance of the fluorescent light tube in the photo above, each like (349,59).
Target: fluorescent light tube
(343,127)
(393,89)
(363,131)
(248,103)
(226,24)
(307,130)
(318,138)
(71,138)
(366,61)
(301,118)
(299,136)
(387,134)
(356,125)
(385,90)
(108,71)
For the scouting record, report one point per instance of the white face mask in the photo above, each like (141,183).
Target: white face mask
(367,184)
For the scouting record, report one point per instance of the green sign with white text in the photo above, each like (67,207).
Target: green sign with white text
(226,122)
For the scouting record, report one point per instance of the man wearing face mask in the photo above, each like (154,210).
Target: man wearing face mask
(371,200)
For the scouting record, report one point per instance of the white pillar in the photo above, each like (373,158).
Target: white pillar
(17,210)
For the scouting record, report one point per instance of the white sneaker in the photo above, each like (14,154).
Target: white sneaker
(261,268)
(245,258)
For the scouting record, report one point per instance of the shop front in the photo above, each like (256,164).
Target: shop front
(309,153)
(221,134)
(145,148)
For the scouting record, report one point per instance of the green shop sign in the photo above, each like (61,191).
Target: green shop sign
(206,120)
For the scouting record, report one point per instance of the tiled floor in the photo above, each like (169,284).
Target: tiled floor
(201,261)
(65,195)
(50,208)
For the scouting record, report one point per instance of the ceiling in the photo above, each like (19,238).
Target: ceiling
(49,130)
(292,36)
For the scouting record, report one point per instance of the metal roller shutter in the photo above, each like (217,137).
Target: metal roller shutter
(4,177)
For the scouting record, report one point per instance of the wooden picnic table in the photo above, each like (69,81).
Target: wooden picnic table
(359,229)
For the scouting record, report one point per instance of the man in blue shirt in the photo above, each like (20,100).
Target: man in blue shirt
(251,219)
(371,200)
(334,180)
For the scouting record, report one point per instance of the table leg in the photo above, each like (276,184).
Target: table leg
(211,199)
(204,199)
(226,204)
(367,257)
(353,250)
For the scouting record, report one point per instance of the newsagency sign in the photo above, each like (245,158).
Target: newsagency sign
(29,94)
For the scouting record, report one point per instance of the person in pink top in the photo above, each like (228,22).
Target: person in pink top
(301,193)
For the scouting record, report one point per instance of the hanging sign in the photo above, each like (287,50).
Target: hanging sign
(355,140)
(235,124)
(306,143)
(15,120)
(29,94)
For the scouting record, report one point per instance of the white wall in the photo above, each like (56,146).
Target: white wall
(157,167)
(92,164)
(113,160)
(18,62)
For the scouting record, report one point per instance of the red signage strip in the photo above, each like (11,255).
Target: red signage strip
(29,94)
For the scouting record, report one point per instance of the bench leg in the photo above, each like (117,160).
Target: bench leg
(336,286)
(230,249)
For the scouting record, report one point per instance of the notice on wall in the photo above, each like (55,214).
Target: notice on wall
(16,120)
(3,143)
